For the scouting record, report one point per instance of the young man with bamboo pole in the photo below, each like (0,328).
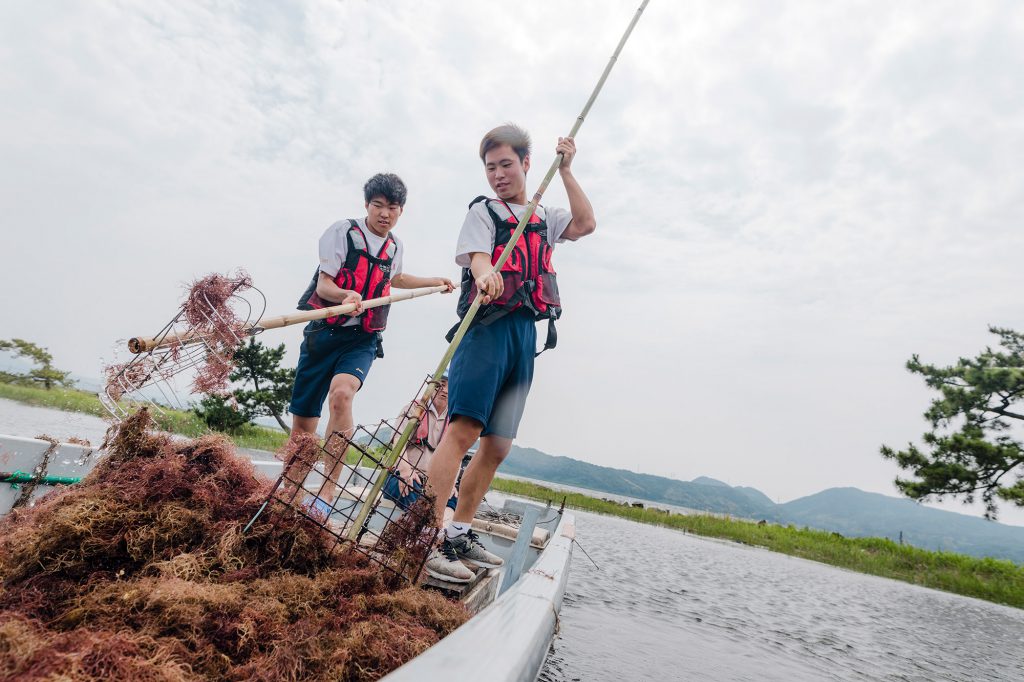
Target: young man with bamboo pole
(492,369)
(359,259)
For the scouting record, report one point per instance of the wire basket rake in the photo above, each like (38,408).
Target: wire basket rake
(394,534)
(193,353)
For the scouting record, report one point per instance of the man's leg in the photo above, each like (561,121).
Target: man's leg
(458,438)
(339,401)
(477,479)
(295,474)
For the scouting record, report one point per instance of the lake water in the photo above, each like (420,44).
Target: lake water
(666,605)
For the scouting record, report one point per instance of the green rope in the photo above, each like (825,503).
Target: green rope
(18,477)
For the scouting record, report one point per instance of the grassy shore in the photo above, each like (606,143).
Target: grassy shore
(176,421)
(990,579)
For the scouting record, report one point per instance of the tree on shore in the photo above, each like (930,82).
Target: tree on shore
(45,373)
(265,389)
(971,449)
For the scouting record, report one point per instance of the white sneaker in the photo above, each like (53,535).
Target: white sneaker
(443,564)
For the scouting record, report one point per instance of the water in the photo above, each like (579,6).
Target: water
(18,419)
(670,606)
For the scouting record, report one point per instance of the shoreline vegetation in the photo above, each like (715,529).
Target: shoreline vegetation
(993,580)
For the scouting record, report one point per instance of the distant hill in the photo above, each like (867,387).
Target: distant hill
(704,494)
(854,512)
(848,511)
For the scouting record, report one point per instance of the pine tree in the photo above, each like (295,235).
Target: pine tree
(46,374)
(970,449)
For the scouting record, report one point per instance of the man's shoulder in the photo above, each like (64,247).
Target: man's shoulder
(342,225)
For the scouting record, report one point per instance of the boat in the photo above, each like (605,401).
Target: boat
(515,608)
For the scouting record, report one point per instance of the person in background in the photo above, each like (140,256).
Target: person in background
(405,485)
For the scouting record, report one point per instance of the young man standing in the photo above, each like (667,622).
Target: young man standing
(492,369)
(359,259)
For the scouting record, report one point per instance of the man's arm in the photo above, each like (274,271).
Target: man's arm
(583,221)
(407,281)
(332,293)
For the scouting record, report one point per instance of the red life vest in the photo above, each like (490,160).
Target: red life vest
(363,272)
(529,278)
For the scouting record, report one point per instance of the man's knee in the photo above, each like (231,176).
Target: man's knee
(342,392)
(494,448)
(464,430)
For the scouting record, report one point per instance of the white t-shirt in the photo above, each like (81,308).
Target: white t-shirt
(334,248)
(477,234)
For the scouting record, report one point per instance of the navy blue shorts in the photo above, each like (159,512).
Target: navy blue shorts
(393,492)
(491,373)
(325,352)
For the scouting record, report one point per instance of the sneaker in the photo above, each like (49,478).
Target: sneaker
(444,564)
(469,547)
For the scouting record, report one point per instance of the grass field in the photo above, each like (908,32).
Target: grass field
(175,421)
(990,579)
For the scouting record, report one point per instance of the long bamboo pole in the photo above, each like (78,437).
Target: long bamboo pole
(428,394)
(142,344)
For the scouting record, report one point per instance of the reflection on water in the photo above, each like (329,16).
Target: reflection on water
(670,606)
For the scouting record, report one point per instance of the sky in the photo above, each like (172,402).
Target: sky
(792,199)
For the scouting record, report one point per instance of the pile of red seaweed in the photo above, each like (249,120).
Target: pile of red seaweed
(141,572)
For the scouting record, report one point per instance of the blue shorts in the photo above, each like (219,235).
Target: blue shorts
(327,351)
(393,492)
(491,373)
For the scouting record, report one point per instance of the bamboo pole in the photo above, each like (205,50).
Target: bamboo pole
(411,425)
(141,345)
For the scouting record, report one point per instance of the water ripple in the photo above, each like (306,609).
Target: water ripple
(670,606)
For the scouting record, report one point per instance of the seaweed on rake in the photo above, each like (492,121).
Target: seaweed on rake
(208,314)
(142,572)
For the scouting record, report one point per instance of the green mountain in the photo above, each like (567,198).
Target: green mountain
(703,494)
(857,513)
(848,511)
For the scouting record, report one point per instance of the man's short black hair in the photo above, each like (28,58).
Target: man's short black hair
(387,185)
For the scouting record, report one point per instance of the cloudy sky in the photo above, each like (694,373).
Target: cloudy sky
(792,198)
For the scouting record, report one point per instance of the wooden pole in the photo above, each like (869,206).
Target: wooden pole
(411,425)
(142,345)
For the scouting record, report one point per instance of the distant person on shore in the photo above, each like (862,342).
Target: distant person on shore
(359,259)
(492,369)
(405,485)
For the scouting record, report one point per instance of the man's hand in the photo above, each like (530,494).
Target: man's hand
(407,478)
(567,148)
(490,286)
(446,282)
(353,297)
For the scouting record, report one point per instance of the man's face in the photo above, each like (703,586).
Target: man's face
(382,215)
(506,174)
(441,396)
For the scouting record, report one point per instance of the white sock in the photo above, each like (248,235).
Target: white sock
(455,529)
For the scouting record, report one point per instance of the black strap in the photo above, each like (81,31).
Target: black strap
(552,339)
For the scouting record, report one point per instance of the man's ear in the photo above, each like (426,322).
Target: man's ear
(526,163)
